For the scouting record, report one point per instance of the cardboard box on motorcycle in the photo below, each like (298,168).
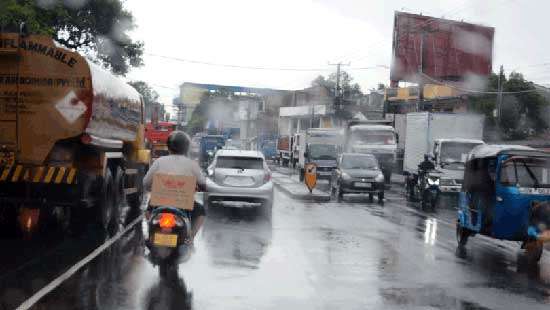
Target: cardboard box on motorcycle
(173,191)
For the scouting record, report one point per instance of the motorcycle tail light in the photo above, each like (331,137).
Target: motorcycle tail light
(167,220)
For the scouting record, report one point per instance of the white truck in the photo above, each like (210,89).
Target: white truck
(376,137)
(284,150)
(320,146)
(447,138)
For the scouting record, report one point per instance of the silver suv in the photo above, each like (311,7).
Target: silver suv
(239,176)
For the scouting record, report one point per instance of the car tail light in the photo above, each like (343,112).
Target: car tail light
(267,176)
(167,220)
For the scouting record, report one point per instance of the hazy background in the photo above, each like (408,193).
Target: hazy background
(310,33)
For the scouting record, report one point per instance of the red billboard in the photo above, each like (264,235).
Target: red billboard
(440,48)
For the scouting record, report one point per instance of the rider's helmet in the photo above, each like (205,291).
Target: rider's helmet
(178,143)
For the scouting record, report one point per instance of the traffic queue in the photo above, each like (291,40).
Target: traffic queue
(502,191)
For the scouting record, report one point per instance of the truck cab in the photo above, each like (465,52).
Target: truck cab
(449,157)
(320,146)
(376,139)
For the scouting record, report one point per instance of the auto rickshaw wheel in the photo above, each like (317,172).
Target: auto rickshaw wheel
(462,234)
(533,251)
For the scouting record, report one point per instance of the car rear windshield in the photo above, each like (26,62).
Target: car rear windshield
(239,162)
(358,162)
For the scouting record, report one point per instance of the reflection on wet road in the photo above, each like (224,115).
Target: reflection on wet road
(351,255)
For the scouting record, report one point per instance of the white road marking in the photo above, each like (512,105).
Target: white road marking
(62,278)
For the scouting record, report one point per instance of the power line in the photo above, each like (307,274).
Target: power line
(370,68)
(234,66)
(237,66)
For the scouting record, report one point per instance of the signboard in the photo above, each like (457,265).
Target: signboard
(440,48)
(173,191)
(310,176)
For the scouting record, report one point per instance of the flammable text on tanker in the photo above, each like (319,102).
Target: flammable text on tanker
(55,53)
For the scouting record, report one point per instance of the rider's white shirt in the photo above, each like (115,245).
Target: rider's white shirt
(173,165)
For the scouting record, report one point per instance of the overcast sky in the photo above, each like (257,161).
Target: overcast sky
(309,34)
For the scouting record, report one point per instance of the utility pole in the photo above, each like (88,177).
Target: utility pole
(248,125)
(499,95)
(338,91)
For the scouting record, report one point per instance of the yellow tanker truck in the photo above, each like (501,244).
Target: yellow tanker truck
(71,138)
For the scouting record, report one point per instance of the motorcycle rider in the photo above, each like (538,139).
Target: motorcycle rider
(426,166)
(177,163)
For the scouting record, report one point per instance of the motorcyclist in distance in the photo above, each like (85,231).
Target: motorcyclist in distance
(177,163)
(424,167)
(427,164)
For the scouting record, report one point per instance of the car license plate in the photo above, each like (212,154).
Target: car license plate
(7,158)
(239,181)
(168,240)
(363,185)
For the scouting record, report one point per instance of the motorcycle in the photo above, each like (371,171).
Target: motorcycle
(169,231)
(425,188)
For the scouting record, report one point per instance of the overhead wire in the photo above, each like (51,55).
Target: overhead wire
(192,61)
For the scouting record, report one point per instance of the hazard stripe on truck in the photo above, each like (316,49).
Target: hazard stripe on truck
(41,174)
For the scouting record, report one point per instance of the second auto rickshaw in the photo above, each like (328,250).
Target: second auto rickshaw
(506,195)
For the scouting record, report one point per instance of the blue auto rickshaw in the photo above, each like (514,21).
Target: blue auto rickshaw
(506,195)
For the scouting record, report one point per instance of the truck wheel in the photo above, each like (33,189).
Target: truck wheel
(77,223)
(302,175)
(106,202)
(119,186)
(8,221)
(119,199)
(134,200)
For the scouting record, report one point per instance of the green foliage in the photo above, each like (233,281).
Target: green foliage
(349,89)
(97,27)
(521,113)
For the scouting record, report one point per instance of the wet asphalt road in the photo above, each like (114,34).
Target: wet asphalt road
(351,255)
